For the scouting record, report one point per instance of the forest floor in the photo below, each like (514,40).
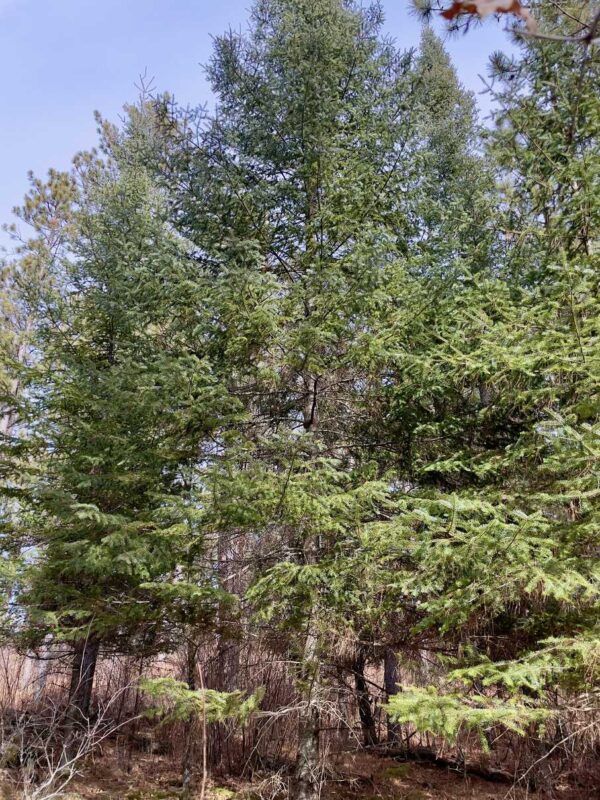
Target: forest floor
(359,777)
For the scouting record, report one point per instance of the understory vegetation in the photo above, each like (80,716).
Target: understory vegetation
(300,420)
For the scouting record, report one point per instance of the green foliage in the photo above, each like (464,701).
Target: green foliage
(572,663)
(117,408)
(182,703)
(338,335)
(447,714)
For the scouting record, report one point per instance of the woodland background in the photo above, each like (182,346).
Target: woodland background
(300,422)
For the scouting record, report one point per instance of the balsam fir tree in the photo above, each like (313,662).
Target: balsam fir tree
(118,408)
(507,548)
(309,336)
(306,199)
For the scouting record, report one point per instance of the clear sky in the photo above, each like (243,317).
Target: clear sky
(60,60)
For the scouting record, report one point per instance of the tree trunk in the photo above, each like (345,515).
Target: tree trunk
(225,673)
(188,748)
(8,415)
(365,711)
(390,683)
(83,669)
(306,779)
(306,775)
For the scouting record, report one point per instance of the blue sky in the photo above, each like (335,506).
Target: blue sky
(62,59)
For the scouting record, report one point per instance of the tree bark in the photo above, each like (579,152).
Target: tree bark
(188,748)
(8,415)
(83,668)
(306,778)
(390,683)
(365,711)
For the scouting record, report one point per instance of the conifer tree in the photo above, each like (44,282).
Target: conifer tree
(326,335)
(451,192)
(117,411)
(515,544)
(294,201)
(306,196)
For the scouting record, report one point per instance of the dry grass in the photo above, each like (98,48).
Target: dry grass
(359,776)
(144,761)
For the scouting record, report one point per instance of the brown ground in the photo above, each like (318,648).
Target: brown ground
(354,777)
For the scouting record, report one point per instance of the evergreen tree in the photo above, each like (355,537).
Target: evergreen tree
(118,408)
(514,531)
(326,336)
(451,193)
(306,197)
